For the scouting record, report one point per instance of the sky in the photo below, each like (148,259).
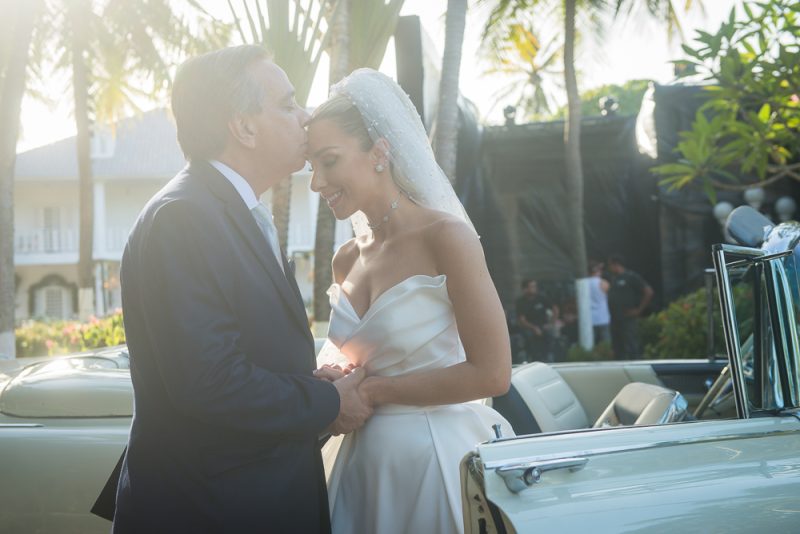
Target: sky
(635,50)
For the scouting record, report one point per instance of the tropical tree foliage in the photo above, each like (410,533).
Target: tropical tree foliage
(372,24)
(296,35)
(116,52)
(748,131)
(531,67)
(295,32)
(627,97)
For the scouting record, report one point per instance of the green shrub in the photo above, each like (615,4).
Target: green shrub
(36,338)
(680,330)
(600,352)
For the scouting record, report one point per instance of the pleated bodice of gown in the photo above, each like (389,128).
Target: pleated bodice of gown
(399,472)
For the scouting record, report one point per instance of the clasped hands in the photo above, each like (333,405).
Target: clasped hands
(355,406)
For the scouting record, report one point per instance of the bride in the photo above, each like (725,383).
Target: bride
(413,304)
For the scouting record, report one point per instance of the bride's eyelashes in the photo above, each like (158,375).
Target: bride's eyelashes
(330,162)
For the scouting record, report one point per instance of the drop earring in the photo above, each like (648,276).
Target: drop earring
(379,167)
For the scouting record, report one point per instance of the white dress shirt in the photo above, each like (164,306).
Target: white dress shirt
(264,222)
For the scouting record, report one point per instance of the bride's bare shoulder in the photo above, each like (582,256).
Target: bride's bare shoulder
(344,259)
(450,237)
(441,225)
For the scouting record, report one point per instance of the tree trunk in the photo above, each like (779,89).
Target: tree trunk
(11,92)
(574,175)
(79,14)
(326,222)
(445,142)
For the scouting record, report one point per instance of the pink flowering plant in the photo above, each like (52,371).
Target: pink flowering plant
(36,338)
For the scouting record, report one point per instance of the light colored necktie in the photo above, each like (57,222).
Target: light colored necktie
(263,218)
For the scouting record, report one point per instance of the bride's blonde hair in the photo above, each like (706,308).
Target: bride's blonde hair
(346,116)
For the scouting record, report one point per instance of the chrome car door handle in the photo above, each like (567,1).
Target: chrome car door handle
(520,476)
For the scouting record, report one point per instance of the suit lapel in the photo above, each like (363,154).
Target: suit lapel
(247,226)
(244,222)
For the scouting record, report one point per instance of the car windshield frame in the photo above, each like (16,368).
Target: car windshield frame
(770,362)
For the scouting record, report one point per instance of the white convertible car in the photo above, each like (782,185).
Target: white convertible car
(642,446)
(637,460)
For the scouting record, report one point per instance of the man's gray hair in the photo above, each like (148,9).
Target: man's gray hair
(209,90)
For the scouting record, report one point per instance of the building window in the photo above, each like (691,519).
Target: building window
(54,302)
(53,298)
(51,228)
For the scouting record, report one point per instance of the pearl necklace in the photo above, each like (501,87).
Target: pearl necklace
(393,206)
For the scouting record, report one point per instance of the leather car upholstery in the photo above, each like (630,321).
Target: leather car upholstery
(548,398)
(643,404)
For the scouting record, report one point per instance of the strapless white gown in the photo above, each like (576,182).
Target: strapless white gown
(399,472)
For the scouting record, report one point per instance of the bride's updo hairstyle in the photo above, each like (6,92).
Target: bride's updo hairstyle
(346,116)
(369,106)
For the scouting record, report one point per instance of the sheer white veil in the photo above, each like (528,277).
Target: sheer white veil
(389,114)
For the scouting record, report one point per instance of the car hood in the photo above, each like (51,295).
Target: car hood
(94,385)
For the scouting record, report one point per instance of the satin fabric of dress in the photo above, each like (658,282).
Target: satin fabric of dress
(399,472)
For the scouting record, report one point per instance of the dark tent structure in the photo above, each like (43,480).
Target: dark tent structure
(664,235)
(525,165)
(511,181)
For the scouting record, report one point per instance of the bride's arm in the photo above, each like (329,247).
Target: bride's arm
(481,326)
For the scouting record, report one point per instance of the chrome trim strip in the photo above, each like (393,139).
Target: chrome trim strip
(766,257)
(520,476)
(739,250)
(627,448)
(21,425)
(729,325)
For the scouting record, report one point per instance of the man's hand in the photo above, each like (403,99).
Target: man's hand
(353,410)
(333,372)
(329,372)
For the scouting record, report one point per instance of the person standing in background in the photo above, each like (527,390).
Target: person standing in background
(598,297)
(536,317)
(628,297)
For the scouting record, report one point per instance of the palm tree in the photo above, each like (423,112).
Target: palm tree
(360,32)
(574,178)
(445,137)
(530,67)
(511,10)
(78,47)
(17,28)
(107,48)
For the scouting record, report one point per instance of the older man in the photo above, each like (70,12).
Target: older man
(227,411)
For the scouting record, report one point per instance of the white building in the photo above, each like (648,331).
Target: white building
(129,165)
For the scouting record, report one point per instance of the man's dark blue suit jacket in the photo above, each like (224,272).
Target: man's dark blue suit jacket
(227,414)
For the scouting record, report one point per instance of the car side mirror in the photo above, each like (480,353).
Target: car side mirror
(748,226)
